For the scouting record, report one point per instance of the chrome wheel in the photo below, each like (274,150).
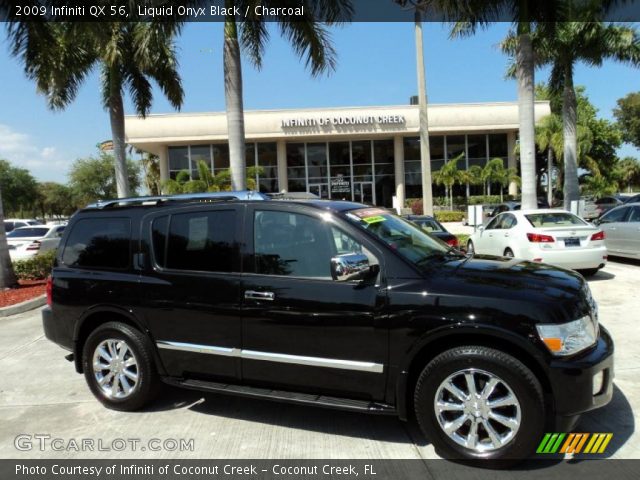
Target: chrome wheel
(470,248)
(508,253)
(115,368)
(477,410)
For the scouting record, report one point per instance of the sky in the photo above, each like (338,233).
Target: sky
(376,66)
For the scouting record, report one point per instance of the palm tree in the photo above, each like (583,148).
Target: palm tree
(526,16)
(629,172)
(448,176)
(7,275)
(59,56)
(494,172)
(473,176)
(563,46)
(309,37)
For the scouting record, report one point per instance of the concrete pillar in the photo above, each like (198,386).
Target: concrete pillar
(283,181)
(512,161)
(163,158)
(398,159)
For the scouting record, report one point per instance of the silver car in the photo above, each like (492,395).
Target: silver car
(622,228)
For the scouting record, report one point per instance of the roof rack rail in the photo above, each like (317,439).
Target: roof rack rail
(293,196)
(183,197)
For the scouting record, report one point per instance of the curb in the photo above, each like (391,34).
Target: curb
(23,306)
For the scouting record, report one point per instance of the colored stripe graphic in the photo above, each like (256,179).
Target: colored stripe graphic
(550,443)
(574,442)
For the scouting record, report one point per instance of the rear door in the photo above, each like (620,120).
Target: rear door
(191,289)
(486,243)
(630,233)
(302,330)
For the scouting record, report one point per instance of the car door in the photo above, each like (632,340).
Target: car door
(611,223)
(486,242)
(301,330)
(503,237)
(191,289)
(629,232)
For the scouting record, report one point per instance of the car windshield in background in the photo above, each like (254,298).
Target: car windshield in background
(553,219)
(28,232)
(429,226)
(401,235)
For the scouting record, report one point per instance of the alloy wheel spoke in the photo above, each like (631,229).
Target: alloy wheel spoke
(456,424)
(506,401)
(449,406)
(459,394)
(506,421)
(472,438)
(106,379)
(493,435)
(132,375)
(104,354)
(489,387)
(126,386)
(471,384)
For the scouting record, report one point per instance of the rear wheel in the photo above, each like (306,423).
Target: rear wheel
(477,403)
(589,272)
(508,252)
(470,247)
(118,366)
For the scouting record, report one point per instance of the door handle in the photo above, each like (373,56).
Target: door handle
(506,234)
(254,295)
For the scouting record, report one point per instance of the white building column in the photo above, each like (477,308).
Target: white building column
(398,160)
(163,159)
(512,161)
(283,180)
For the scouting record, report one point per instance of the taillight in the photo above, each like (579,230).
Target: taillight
(452,242)
(539,238)
(49,290)
(35,245)
(598,236)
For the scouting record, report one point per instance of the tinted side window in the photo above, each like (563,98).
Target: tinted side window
(159,239)
(635,215)
(293,244)
(99,243)
(494,224)
(203,241)
(616,215)
(509,221)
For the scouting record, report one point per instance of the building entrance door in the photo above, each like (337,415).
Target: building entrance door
(364,192)
(319,189)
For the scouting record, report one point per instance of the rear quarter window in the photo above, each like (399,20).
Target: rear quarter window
(99,243)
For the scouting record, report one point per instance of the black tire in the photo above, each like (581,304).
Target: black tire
(470,248)
(508,253)
(513,373)
(147,385)
(589,272)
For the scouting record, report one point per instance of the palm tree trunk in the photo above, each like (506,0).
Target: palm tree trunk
(116,116)
(425,155)
(525,76)
(489,189)
(569,120)
(233,99)
(549,176)
(7,275)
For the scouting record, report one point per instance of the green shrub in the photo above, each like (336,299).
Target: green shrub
(35,268)
(449,216)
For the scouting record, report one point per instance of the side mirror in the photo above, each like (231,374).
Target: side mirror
(480,228)
(351,266)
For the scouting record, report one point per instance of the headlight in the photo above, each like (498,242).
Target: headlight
(569,338)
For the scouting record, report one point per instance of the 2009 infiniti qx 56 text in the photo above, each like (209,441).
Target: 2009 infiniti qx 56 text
(326,303)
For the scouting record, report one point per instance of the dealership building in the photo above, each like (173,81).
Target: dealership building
(367,154)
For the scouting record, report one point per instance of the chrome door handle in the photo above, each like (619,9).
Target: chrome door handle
(506,234)
(254,295)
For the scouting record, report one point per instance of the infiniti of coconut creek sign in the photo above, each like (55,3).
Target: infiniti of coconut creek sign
(383,119)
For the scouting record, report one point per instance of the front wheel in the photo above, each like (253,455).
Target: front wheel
(470,248)
(118,366)
(478,403)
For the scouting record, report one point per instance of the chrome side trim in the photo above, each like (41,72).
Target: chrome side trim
(192,347)
(274,357)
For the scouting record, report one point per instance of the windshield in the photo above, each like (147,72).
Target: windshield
(555,219)
(401,235)
(28,232)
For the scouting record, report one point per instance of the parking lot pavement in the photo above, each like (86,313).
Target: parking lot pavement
(41,394)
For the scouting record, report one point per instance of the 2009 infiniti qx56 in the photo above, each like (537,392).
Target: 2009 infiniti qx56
(326,303)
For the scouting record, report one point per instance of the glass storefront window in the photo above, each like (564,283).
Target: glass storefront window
(317,160)
(411,148)
(339,154)
(436,147)
(295,154)
(220,157)
(361,152)
(498,146)
(200,153)
(455,146)
(383,152)
(178,160)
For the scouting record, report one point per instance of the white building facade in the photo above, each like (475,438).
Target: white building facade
(366,154)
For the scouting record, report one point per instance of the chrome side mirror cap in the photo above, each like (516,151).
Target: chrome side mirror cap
(352,266)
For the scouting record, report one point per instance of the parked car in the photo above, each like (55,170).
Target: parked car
(555,237)
(632,199)
(11,224)
(326,303)
(435,228)
(26,242)
(621,226)
(510,206)
(594,209)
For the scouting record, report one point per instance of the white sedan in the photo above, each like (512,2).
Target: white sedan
(26,242)
(556,237)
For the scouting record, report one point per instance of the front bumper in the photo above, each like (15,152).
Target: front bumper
(572,380)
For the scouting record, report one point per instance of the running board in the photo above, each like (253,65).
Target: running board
(366,406)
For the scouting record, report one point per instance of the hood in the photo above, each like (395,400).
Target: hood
(551,294)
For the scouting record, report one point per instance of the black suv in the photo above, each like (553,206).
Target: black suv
(326,303)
